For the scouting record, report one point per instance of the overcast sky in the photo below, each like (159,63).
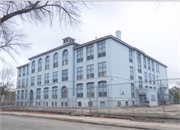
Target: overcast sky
(154,31)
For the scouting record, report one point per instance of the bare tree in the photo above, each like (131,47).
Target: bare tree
(6,81)
(43,12)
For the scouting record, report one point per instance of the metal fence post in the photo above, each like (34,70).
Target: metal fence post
(132,106)
(108,100)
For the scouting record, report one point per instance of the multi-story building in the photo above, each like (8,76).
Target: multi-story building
(103,69)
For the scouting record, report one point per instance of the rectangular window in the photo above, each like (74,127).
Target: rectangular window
(153,98)
(19,72)
(101,49)
(139,62)
(130,56)
(65,75)
(144,62)
(149,78)
(149,66)
(23,71)
(132,90)
(90,52)
(46,93)
(39,80)
(27,82)
(90,89)
(27,69)
(157,81)
(102,69)
(38,93)
(25,94)
(153,79)
(54,92)
(90,71)
(55,76)
(131,73)
(79,90)
(18,94)
(19,83)
(102,89)
(79,55)
(79,73)
(23,83)
(47,78)
(145,76)
(157,67)
(140,82)
(22,94)
(152,65)
(32,81)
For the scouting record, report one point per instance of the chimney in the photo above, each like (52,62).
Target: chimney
(118,34)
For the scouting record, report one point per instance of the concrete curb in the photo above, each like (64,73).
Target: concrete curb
(89,122)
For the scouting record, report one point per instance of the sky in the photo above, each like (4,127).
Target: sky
(152,29)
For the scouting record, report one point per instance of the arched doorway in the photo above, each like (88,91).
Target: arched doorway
(31,98)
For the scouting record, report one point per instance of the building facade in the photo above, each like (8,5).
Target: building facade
(91,74)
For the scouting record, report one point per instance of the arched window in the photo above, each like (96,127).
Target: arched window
(90,89)
(33,67)
(65,57)
(79,90)
(79,104)
(21,104)
(31,98)
(64,92)
(22,94)
(54,92)
(119,104)
(40,65)
(47,63)
(17,103)
(18,94)
(55,60)
(102,104)
(126,103)
(102,89)
(132,90)
(46,93)
(38,93)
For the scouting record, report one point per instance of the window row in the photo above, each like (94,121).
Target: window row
(23,72)
(47,62)
(90,52)
(144,61)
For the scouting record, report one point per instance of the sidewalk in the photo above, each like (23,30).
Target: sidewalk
(101,121)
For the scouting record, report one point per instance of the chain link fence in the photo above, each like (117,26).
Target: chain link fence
(142,98)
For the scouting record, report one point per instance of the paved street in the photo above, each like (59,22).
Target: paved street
(8,122)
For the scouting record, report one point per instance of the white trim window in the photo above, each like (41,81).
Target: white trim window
(130,56)
(47,63)
(32,81)
(39,80)
(38,93)
(54,92)
(65,75)
(153,79)
(144,59)
(65,57)
(24,71)
(149,78)
(55,77)
(131,73)
(90,89)
(46,78)
(102,89)
(46,93)
(19,72)
(80,55)
(55,60)
(79,90)
(145,76)
(90,52)
(149,66)
(152,65)
(140,82)
(33,67)
(102,69)
(79,73)
(101,49)
(90,71)
(139,62)
(40,65)
(23,83)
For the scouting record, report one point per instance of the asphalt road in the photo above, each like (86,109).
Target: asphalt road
(9,122)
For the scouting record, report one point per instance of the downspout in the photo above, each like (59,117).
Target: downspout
(73,71)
